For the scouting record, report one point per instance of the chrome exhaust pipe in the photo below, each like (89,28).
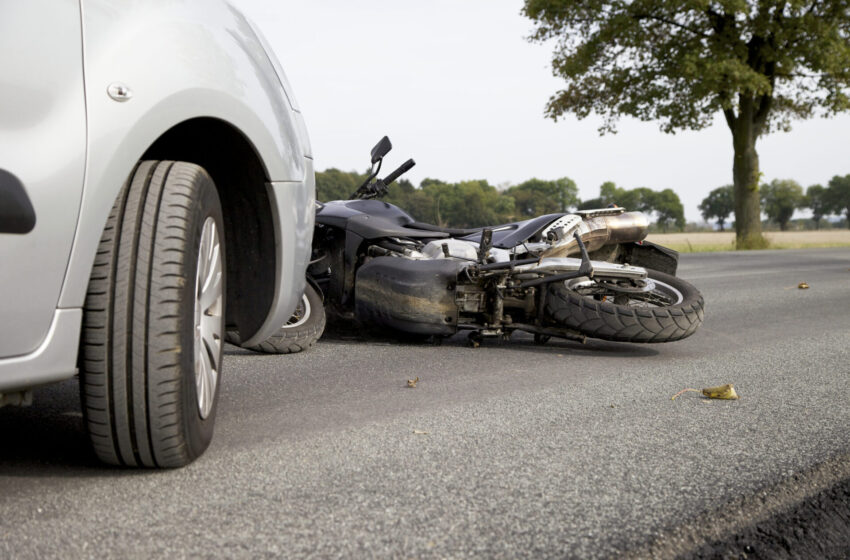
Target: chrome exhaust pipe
(596,231)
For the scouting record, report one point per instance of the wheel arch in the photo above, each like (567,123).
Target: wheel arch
(241,178)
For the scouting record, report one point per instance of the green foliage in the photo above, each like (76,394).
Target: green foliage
(838,196)
(780,198)
(536,197)
(640,199)
(333,184)
(665,204)
(818,202)
(467,204)
(668,210)
(719,204)
(591,204)
(682,61)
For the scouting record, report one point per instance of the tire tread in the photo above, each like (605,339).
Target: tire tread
(609,321)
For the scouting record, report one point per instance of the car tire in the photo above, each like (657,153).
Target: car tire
(154,319)
(303,329)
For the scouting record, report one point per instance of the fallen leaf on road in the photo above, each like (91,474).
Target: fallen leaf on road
(420,432)
(412,382)
(725,392)
(803,286)
(722,392)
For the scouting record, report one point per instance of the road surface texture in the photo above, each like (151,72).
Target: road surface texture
(508,450)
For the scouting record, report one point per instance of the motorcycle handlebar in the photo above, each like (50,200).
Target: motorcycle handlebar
(404,168)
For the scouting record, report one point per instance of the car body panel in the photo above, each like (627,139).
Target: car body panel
(209,65)
(292,206)
(178,61)
(50,361)
(42,144)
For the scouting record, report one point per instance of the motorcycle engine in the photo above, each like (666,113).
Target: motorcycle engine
(451,248)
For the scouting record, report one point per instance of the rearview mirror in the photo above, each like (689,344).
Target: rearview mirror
(381,149)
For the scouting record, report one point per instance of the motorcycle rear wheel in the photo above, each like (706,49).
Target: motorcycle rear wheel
(673,310)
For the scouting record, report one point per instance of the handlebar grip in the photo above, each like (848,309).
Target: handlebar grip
(404,168)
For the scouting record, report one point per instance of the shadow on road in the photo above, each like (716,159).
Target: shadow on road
(48,438)
(520,342)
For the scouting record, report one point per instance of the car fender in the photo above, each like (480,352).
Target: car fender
(143,77)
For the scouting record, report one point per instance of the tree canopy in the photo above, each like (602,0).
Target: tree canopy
(781,197)
(818,203)
(477,203)
(760,63)
(536,197)
(838,196)
(718,205)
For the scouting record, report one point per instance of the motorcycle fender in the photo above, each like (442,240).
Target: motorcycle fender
(414,296)
(649,255)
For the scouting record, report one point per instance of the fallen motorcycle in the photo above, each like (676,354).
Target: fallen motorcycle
(574,275)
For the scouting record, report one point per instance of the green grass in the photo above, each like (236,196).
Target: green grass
(705,242)
(712,248)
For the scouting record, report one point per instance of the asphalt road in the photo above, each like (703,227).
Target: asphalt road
(564,450)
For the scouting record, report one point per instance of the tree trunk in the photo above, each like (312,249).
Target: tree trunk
(745,172)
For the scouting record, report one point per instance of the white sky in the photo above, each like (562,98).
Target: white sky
(456,86)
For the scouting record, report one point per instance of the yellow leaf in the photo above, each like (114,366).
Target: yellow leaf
(722,392)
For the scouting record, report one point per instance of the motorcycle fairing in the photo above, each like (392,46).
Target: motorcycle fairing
(372,219)
(414,296)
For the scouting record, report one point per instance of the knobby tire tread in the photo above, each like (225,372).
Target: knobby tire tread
(621,323)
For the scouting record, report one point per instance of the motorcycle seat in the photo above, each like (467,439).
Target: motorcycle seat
(450,231)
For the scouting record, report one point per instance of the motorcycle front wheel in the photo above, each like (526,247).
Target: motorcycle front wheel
(671,310)
(300,332)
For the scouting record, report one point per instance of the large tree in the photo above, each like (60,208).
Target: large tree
(719,204)
(758,62)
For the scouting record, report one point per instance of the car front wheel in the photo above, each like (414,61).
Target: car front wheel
(154,320)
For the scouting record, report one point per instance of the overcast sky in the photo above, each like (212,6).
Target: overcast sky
(456,85)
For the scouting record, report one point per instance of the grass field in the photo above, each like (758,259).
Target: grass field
(716,241)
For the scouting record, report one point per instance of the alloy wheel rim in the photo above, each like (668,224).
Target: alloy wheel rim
(208,317)
(300,315)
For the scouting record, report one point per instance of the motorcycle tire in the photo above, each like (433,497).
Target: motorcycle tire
(632,321)
(302,330)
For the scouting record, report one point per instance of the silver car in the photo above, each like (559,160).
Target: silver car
(156,189)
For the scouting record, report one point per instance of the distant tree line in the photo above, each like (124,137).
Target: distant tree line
(780,198)
(478,203)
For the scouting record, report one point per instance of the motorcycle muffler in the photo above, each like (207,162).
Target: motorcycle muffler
(596,228)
